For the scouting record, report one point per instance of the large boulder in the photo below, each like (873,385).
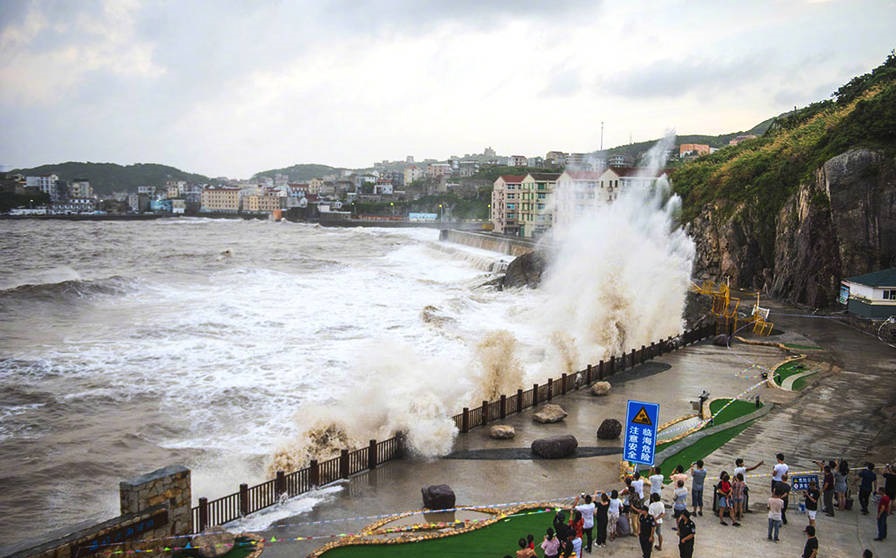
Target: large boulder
(609,429)
(501,432)
(525,270)
(549,413)
(555,447)
(213,542)
(438,497)
(600,388)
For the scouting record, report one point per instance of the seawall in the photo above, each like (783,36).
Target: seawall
(487,241)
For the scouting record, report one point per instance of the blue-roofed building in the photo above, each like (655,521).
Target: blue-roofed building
(872,295)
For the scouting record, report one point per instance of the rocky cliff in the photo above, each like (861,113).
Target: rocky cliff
(840,224)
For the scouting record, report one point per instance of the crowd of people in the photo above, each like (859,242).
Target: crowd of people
(638,509)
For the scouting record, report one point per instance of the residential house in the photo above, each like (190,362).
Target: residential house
(872,295)
(518,161)
(615,180)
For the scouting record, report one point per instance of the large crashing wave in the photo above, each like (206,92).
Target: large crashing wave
(617,280)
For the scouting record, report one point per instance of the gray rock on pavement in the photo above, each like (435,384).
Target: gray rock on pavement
(550,413)
(601,388)
(213,542)
(438,497)
(501,432)
(609,429)
(555,447)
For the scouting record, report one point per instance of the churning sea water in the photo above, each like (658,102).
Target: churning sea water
(238,348)
(128,346)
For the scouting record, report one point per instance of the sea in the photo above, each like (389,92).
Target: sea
(241,347)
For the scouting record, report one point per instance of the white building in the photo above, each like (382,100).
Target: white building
(872,295)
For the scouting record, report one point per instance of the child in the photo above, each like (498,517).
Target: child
(738,488)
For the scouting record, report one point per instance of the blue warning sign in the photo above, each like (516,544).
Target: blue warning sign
(641,420)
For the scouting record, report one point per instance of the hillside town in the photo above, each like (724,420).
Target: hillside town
(518,204)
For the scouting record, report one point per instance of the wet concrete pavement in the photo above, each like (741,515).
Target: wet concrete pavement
(838,415)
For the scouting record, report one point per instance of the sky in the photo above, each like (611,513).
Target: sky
(234,87)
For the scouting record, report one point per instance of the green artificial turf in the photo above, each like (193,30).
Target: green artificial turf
(701,448)
(736,410)
(788,369)
(494,541)
(800,383)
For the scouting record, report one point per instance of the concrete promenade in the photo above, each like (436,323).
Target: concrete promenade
(847,411)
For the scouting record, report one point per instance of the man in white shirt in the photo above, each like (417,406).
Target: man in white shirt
(638,485)
(779,470)
(658,511)
(656,482)
(587,510)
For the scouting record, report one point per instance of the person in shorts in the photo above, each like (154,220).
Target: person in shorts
(812,495)
(724,492)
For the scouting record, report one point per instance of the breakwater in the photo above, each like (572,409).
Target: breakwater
(488,241)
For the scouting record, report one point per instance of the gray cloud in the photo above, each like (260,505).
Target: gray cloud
(674,78)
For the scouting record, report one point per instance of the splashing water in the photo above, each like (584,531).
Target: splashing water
(617,279)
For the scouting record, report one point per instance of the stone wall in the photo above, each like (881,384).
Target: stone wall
(155,509)
(492,242)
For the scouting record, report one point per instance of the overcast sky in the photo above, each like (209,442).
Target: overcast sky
(235,87)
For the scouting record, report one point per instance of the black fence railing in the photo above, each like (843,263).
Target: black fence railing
(252,499)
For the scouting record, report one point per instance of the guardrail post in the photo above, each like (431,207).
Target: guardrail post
(550,388)
(612,365)
(279,484)
(465,420)
(600,370)
(484,413)
(563,383)
(343,464)
(371,455)
(314,473)
(642,354)
(244,500)
(534,395)
(519,401)
(203,515)
(503,406)
(633,358)
(652,349)
(588,374)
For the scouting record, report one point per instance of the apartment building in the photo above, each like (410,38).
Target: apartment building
(518,161)
(535,215)
(264,200)
(617,179)
(505,204)
(220,199)
(576,193)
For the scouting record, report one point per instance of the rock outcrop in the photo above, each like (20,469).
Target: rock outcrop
(214,542)
(841,224)
(525,270)
(555,447)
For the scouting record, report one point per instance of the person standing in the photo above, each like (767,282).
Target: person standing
(779,470)
(738,490)
(724,491)
(587,510)
(812,496)
(658,511)
(783,488)
(890,481)
(867,486)
(680,502)
(740,468)
(686,530)
(841,475)
(656,482)
(827,489)
(647,528)
(883,510)
(775,505)
(698,474)
(810,550)
(602,519)
(613,513)
(638,485)
(550,545)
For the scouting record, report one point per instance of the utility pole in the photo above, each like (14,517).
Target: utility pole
(601,135)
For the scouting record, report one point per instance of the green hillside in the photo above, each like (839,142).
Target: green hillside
(302,172)
(106,178)
(764,172)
